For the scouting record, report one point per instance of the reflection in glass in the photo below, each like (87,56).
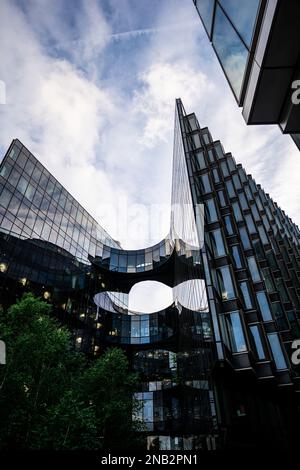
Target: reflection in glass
(244,238)
(253,269)
(210,210)
(257,341)
(246,295)
(205,9)
(225,283)
(233,332)
(279,316)
(264,306)
(217,243)
(237,211)
(228,225)
(242,15)
(277,351)
(236,256)
(230,50)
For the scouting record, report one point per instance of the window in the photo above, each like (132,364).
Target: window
(230,189)
(29,167)
(62,200)
(30,192)
(192,122)
(259,204)
(242,175)
(266,222)
(219,151)
(22,185)
(200,160)
(246,295)
(243,201)
(264,306)
(221,198)
(237,212)
(206,138)
(224,169)
(236,181)
(225,283)
(253,186)
(14,152)
(255,212)
(50,187)
(258,248)
(14,205)
(294,323)
(253,269)
(256,336)
(279,316)
(145,411)
(263,235)
(46,231)
(244,238)
(5,170)
(211,155)
(205,9)
(277,351)
(44,179)
(233,334)
(22,159)
(205,183)
(5,197)
(282,290)
(267,277)
(231,163)
(217,243)
(231,51)
(196,140)
(37,174)
(235,251)
(243,16)
(271,260)
(216,175)
(250,223)
(228,225)
(248,192)
(145,332)
(38,225)
(211,212)
(30,219)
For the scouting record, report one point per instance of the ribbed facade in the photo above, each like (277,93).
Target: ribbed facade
(215,366)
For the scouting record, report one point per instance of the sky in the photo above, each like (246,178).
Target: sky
(91,88)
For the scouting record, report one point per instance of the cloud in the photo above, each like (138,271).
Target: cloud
(55,110)
(91,88)
(155,101)
(184,64)
(99,113)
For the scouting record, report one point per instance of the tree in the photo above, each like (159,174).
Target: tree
(50,397)
(110,386)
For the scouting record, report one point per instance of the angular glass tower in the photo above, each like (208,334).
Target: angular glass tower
(257,45)
(214,366)
(252,271)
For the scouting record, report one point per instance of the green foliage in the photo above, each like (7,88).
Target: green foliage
(50,398)
(110,386)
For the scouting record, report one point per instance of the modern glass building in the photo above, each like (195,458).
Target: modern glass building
(215,369)
(257,45)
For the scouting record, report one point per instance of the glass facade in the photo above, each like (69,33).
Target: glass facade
(230,26)
(230,50)
(256,43)
(249,271)
(234,271)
